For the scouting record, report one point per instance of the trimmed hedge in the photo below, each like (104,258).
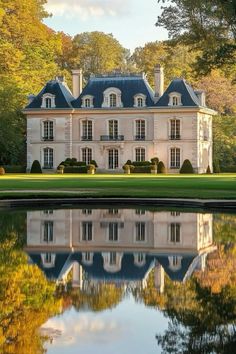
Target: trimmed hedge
(161,167)
(14,169)
(141,169)
(36,167)
(75,169)
(186,167)
(141,163)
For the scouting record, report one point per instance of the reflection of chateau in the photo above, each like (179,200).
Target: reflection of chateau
(118,244)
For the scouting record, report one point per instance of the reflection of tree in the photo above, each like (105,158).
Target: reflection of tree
(97,297)
(26,301)
(202,311)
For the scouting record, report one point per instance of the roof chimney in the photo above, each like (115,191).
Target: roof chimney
(159,80)
(77,82)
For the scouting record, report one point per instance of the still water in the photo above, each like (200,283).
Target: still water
(118,281)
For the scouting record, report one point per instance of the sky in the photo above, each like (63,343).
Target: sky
(132,22)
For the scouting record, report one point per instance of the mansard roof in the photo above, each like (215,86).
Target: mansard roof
(58,88)
(129,85)
(188,96)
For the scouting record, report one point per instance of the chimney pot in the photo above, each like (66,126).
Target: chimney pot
(77,82)
(159,80)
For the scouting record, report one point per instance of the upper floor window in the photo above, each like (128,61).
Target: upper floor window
(174,129)
(174,233)
(48,130)
(48,158)
(140,232)
(175,263)
(48,231)
(86,155)
(139,100)
(140,154)
(113,128)
(140,129)
(48,260)
(113,231)
(139,259)
(87,101)
(87,130)
(48,101)
(87,231)
(174,158)
(175,99)
(112,98)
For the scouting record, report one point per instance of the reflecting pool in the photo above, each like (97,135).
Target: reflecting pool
(117,280)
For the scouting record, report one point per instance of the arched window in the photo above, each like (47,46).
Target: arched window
(48,100)
(139,102)
(140,129)
(87,102)
(112,100)
(140,154)
(175,99)
(174,158)
(87,130)
(47,158)
(48,131)
(86,155)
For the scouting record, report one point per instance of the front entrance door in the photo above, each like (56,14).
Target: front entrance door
(113,159)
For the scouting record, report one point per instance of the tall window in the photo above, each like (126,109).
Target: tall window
(48,158)
(87,102)
(86,155)
(140,229)
(87,231)
(175,101)
(48,102)
(112,100)
(113,231)
(113,159)
(140,154)
(140,102)
(175,129)
(140,129)
(48,130)
(113,128)
(87,130)
(174,232)
(48,231)
(174,158)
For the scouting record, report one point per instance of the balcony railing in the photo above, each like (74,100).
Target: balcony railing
(86,137)
(139,137)
(174,137)
(47,138)
(112,137)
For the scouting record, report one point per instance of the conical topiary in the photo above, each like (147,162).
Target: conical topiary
(36,167)
(186,167)
(208,170)
(161,167)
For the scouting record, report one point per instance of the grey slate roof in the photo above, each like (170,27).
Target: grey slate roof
(128,85)
(188,96)
(63,96)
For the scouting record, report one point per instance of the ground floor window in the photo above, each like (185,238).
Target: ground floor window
(174,158)
(140,154)
(86,155)
(48,158)
(113,159)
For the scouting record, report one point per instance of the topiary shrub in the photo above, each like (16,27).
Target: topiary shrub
(154,161)
(186,167)
(2,171)
(161,167)
(75,169)
(128,168)
(36,167)
(60,169)
(208,170)
(128,162)
(93,162)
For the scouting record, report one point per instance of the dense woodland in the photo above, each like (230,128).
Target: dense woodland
(201,48)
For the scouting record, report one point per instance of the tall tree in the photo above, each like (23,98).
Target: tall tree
(207,25)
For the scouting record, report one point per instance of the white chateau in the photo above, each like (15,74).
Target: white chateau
(119,117)
(118,245)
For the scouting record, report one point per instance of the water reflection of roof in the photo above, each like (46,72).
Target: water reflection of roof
(129,271)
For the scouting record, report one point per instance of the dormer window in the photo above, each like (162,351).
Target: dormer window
(87,101)
(175,99)
(48,101)
(139,100)
(112,98)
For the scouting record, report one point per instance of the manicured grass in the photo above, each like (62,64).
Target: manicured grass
(220,186)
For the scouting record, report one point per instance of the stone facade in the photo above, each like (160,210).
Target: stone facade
(111,123)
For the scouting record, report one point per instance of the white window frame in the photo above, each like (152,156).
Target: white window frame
(43,157)
(142,149)
(176,124)
(137,99)
(87,258)
(175,166)
(139,130)
(174,231)
(140,236)
(85,151)
(87,99)
(49,130)
(86,237)
(106,98)
(45,98)
(47,235)
(175,99)
(86,127)
(137,261)
(113,232)
(45,259)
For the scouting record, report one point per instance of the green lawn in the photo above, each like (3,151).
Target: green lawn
(222,186)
